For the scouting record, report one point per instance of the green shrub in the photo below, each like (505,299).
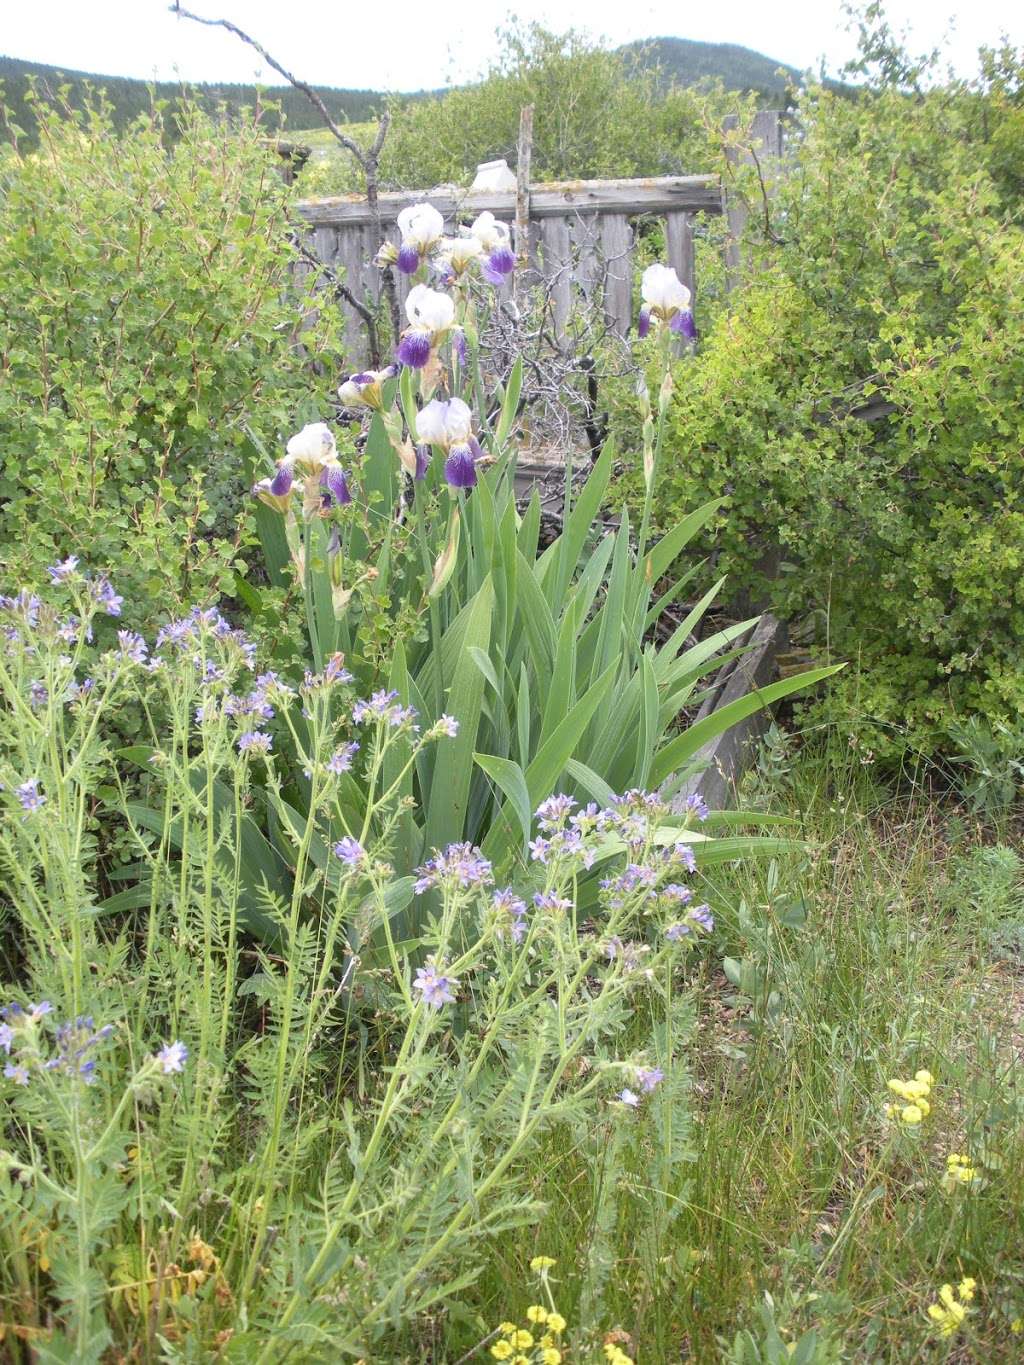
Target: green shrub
(146,335)
(891,274)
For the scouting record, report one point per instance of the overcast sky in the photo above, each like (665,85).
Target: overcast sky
(412,44)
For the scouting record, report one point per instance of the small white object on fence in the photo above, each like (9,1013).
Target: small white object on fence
(494,175)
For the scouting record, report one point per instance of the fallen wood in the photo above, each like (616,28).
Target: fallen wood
(725,759)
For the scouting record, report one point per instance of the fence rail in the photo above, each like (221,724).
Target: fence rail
(580,239)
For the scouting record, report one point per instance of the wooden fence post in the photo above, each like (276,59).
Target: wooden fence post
(765,144)
(524,153)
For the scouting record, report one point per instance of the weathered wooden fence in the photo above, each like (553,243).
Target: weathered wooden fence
(581,235)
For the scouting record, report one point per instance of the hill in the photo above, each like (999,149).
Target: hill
(685,62)
(130,97)
(682,60)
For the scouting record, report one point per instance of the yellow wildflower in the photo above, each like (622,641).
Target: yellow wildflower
(501,1350)
(507,1328)
(542,1262)
(521,1360)
(551,1355)
(535,1313)
(949,1313)
(911,1114)
(924,1078)
(959,1171)
(1017,1326)
(521,1339)
(556,1322)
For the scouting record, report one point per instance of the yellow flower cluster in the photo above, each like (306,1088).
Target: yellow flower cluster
(949,1313)
(515,1341)
(959,1171)
(914,1095)
(615,1355)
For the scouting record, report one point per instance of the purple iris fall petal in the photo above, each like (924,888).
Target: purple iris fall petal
(422,462)
(460,467)
(459,346)
(683,323)
(414,350)
(281,483)
(501,262)
(336,488)
(408,260)
(643,323)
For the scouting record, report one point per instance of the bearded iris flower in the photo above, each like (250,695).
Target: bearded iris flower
(495,240)
(335,487)
(364,390)
(431,316)
(448,423)
(422,227)
(666,302)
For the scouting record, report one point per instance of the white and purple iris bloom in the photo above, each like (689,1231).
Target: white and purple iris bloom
(364,390)
(666,301)
(313,451)
(496,246)
(422,227)
(431,316)
(448,423)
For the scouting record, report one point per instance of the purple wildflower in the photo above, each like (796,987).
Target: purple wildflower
(172,1057)
(499,265)
(30,796)
(554,904)
(6,1037)
(254,742)
(629,1098)
(675,891)
(437,990)
(350,851)
(682,853)
(552,812)
(696,805)
(39,1011)
(59,573)
(512,914)
(107,598)
(79,691)
(643,323)
(382,706)
(17,1073)
(37,693)
(648,1077)
(131,646)
(459,347)
(341,760)
(445,726)
(458,866)
(676,932)
(701,916)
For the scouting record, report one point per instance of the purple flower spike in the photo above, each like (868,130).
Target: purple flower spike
(408,260)
(335,485)
(460,468)
(281,483)
(643,323)
(422,462)
(684,324)
(414,350)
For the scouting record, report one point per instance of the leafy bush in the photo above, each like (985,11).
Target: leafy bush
(892,275)
(146,336)
(596,113)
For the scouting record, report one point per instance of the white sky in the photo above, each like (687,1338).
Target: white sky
(412,44)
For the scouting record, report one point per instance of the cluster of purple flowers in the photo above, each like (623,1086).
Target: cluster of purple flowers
(254,742)
(334,672)
(74,1043)
(458,867)
(385,708)
(699,917)
(564,834)
(351,852)
(510,913)
(341,760)
(435,988)
(31,798)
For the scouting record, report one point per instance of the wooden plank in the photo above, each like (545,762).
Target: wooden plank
(679,249)
(587,268)
(764,143)
(727,757)
(616,248)
(557,266)
(658,194)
